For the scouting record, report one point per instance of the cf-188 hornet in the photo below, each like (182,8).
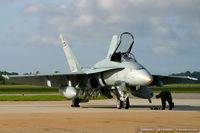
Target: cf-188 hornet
(117,75)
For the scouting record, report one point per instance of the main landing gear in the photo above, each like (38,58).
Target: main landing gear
(76,101)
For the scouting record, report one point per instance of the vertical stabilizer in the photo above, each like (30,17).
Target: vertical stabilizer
(113,46)
(71,59)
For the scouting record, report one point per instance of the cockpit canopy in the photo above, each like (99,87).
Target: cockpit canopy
(125,43)
(123,48)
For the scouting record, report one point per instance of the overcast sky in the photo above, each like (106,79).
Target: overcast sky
(167,33)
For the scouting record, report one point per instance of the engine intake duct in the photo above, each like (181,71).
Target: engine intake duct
(93,83)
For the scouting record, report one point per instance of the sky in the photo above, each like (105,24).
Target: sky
(167,33)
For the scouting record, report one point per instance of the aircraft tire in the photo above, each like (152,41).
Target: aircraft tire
(119,104)
(127,103)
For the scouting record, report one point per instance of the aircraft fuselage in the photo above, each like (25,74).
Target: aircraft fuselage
(133,74)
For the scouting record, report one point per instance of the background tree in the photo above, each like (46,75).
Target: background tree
(2,80)
(188,73)
(57,72)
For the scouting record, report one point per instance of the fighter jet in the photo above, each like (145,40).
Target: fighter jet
(117,75)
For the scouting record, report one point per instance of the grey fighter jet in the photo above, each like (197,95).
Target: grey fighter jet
(118,74)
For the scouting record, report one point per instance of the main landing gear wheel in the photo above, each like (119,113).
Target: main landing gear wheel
(127,103)
(75,102)
(119,104)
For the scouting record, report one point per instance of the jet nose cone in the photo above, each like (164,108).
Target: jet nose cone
(144,77)
(149,79)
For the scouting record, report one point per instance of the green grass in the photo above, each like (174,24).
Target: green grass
(182,85)
(178,90)
(33,98)
(39,98)
(18,86)
(27,90)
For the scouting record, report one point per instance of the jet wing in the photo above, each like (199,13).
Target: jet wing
(58,80)
(160,80)
(51,80)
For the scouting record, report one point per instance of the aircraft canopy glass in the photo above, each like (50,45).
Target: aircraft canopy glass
(123,49)
(125,43)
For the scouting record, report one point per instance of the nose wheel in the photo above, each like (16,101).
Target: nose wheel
(127,103)
(123,104)
(119,104)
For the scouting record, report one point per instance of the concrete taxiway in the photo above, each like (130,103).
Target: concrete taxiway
(96,116)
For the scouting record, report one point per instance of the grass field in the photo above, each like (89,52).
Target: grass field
(179,88)
(39,98)
(18,86)
(33,98)
(29,89)
(182,85)
(26,89)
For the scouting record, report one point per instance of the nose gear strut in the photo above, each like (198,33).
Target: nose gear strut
(122,96)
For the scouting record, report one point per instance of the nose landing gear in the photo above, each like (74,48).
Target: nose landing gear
(122,97)
(123,104)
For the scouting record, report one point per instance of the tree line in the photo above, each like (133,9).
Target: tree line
(2,80)
(188,73)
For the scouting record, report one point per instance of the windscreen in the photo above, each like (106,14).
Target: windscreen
(128,57)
